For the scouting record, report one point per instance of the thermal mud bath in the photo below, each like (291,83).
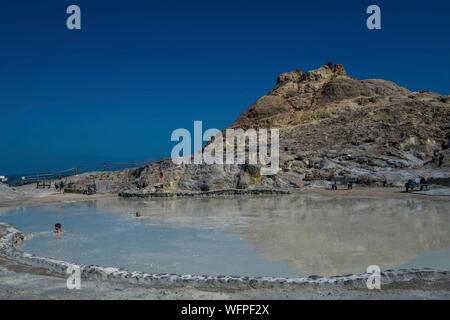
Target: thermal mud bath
(291,246)
(208,231)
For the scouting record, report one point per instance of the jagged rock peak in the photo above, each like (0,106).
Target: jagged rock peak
(294,76)
(325,72)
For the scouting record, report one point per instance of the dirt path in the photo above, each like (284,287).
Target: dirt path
(29,195)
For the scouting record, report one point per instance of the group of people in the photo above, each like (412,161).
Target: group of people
(422,182)
(349,185)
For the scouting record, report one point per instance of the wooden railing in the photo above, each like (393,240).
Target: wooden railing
(42,178)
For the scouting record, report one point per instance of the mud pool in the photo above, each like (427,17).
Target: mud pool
(288,236)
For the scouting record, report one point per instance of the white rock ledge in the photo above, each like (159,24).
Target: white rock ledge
(11,238)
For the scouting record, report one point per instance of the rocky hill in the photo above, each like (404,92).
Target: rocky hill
(7,193)
(331,126)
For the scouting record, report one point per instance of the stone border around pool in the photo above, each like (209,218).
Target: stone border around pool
(12,238)
(204,194)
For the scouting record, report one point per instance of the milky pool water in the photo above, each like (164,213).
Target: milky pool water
(289,236)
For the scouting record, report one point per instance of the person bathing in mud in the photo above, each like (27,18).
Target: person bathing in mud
(58,230)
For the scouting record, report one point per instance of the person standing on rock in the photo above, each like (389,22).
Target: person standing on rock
(411,184)
(61,187)
(423,183)
(441,160)
(350,185)
(334,185)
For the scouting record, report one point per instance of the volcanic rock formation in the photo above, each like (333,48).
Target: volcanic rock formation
(331,126)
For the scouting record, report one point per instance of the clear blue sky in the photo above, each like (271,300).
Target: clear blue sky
(139,69)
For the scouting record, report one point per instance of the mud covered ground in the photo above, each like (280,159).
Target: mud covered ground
(19,282)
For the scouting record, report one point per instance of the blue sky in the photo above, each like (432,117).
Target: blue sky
(115,90)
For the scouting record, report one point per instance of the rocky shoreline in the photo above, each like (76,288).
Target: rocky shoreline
(11,239)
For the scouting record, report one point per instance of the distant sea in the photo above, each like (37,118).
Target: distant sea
(14,178)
